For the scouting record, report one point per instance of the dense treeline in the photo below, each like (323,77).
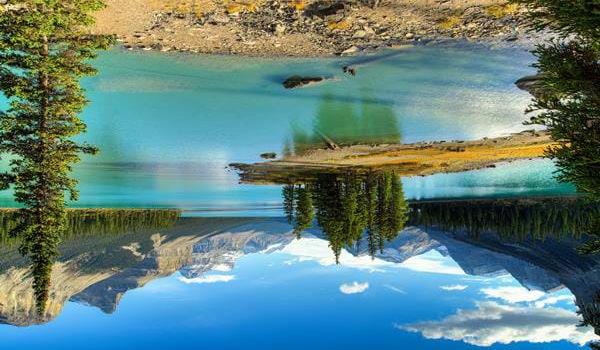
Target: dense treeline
(84,222)
(349,206)
(511,219)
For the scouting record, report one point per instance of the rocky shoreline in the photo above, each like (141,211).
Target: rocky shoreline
(316,28)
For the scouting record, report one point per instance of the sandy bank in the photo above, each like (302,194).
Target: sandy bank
(406,159)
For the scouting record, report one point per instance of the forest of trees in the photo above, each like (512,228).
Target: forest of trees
(84,222)
(348,206)
(512,219)
(45,49)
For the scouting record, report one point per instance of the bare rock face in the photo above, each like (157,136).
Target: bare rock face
(17,300)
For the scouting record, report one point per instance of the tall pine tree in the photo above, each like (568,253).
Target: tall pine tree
(45,48)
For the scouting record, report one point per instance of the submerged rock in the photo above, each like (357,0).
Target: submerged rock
(298,81)
(269,155)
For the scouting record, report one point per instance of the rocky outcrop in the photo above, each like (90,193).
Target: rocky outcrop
(220,252)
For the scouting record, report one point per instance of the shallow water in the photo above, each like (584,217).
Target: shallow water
(254,285)
(168,125)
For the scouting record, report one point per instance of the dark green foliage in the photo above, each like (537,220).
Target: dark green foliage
(569,106)
(94,222)
(305,213)
(571,17)
(45,49)
(348,205)
(592,246)
(567,97)
(511,219)
(289,199)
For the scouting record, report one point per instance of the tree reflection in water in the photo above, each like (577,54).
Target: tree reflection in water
(348,206)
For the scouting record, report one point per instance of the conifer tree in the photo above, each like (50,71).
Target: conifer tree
(567,95)
(45,48)
(305,212)
(289,200)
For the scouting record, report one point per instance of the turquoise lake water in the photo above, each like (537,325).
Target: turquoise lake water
(168,125)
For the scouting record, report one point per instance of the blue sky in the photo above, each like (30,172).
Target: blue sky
(296,297)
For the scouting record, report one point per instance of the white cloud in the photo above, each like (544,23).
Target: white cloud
(454,287)
(513,294)
(354,287)
(315,249)
(207,279)
(553,300)
(491,323)
(433,262)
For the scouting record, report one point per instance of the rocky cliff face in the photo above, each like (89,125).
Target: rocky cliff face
(220,252)
(544,265)
(17,302)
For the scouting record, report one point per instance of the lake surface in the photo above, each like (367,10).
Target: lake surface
(168,125)
(233,273)
(252,284)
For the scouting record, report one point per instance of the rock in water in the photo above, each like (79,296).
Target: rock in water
(531,84)
(298,81)
(269,155)
(349,70)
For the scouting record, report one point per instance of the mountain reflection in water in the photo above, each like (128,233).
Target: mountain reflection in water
(99,270)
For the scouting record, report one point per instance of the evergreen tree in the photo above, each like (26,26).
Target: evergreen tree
(567,95)
(567,18)
(45,48)
(371,213)
(398,206)
(304,210)
(328,210)
(569,106)
(348,205)
(289,198)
